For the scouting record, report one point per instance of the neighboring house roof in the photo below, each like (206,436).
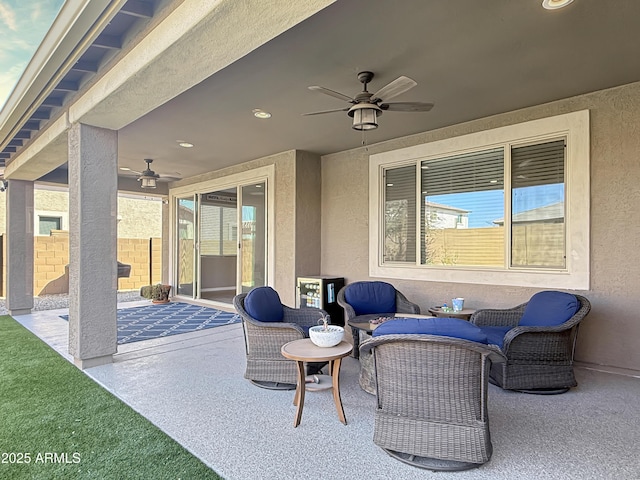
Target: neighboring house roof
(548,213)
(446,207)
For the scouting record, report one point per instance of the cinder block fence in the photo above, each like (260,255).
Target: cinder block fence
(51,260)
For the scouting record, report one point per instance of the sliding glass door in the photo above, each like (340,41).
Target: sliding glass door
(220,247)
(186,246)
(253,245)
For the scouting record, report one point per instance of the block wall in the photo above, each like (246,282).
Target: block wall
(51,260)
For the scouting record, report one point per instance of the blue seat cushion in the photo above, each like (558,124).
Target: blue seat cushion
(495,335)
(371,297)
(446,327)
(549,308)
(263,304)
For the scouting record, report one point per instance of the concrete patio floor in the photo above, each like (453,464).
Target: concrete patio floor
(192,387)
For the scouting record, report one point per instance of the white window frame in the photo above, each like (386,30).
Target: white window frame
(575,128)
(63,216)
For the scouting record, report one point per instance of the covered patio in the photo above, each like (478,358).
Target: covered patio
(191,386)
(139,79)
(192,84)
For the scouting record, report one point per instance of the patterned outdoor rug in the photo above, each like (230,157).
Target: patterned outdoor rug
(161,320)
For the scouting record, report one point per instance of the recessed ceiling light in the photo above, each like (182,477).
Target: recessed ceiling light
(126,169)
(555,4)
(258,113)
(184,144)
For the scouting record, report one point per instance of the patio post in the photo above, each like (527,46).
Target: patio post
(93,195)
(19,215)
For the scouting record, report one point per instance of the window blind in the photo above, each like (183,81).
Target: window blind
(400,214)
(541,164)
(469,172)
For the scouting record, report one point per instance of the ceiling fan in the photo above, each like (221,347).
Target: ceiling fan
(148,177)
(366,107)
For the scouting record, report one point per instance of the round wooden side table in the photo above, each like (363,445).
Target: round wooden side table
(464,314)
(304,350)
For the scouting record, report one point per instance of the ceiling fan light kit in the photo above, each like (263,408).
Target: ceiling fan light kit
(365,116)
(148,177)
(366,107)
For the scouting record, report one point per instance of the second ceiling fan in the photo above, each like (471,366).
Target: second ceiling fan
(366,107)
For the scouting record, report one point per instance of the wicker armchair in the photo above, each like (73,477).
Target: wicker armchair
(539,358)
(368,304)
(432,399)
(266,367)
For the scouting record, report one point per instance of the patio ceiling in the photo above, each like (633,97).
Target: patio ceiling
(471,59)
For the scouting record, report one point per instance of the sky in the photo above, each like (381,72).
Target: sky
(487,206)
(23,25)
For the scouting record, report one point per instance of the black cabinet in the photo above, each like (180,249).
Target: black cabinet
(321,292)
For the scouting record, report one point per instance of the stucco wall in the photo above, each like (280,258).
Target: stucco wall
(609,335)
(308,204)
(138,217)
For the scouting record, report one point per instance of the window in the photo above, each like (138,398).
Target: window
(399,215)
(445,203)
(46,224)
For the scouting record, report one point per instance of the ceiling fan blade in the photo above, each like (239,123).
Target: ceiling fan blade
(168,178)
(327,111)
(332,93)
(407,107)
(393,89)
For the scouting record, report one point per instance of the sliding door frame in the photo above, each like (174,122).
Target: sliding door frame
(264,174)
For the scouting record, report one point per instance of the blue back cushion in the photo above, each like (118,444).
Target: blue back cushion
(446,327)
(371,297)
(263,304)
(549,308)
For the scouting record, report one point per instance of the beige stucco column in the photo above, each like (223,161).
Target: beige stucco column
(19,214)
(93,203)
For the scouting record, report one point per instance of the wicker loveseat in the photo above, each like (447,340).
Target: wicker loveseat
(432,392)
(267,326)
(538,339)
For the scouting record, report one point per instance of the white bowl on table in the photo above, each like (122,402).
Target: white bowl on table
(330,337)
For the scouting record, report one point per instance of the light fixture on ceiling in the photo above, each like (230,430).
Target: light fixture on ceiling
(258,113)
(148,177)
(555,4)
(184,144)
(365,116)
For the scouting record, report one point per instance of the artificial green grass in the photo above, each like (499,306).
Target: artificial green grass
(72,428)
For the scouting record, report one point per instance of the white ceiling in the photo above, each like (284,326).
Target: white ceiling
(471,58)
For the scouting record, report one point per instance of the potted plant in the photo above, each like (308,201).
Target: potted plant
(158,293)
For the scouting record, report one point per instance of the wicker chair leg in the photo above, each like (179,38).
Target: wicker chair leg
(434,464)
